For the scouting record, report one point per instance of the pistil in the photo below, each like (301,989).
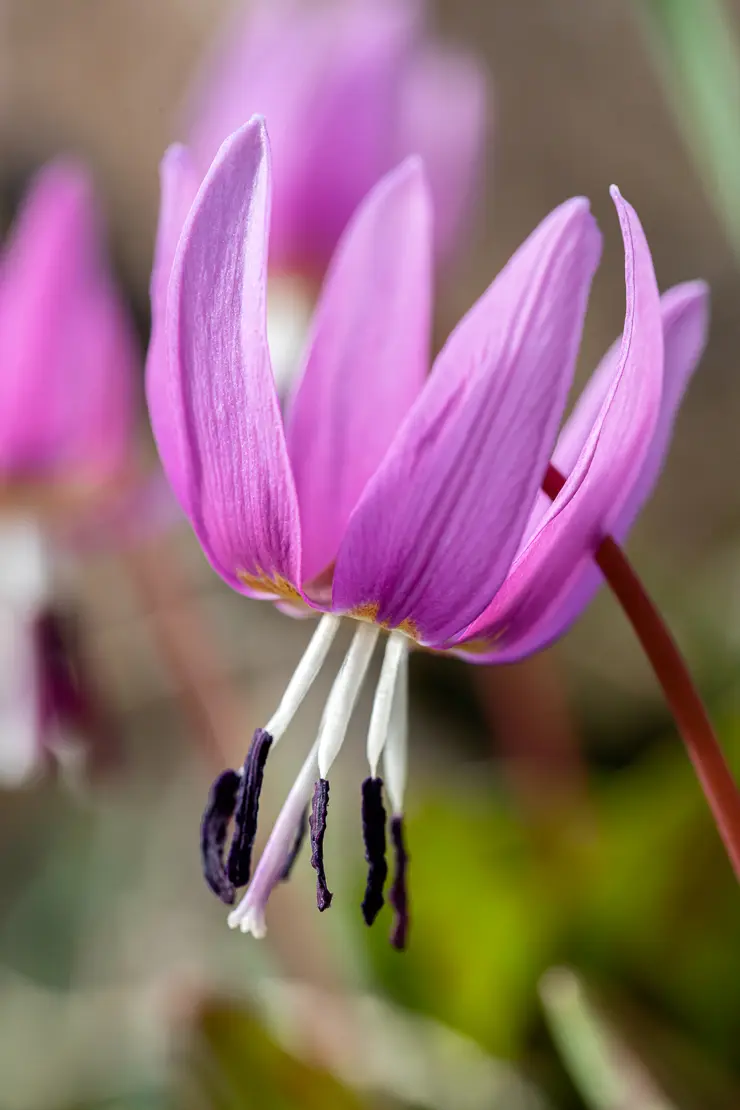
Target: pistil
(246,785)
(294,852)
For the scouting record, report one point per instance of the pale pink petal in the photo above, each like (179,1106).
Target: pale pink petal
(179,185)
(240,496)
(608,466)
(443,117)
(367,360)
(438,526)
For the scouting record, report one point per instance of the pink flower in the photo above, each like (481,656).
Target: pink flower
(349,88)
(66,348)
(388,496)
(67,369)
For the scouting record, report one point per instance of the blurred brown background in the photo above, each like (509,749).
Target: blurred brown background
(576,105)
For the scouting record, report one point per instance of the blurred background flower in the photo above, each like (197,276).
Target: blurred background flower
(67,391)
(559,823)
(349,88)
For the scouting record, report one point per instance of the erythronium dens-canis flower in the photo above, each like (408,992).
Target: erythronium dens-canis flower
(408,503)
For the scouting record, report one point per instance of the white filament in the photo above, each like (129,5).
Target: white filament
(249,915)
(395,752)
(343,695)
(395,653)
(304,676)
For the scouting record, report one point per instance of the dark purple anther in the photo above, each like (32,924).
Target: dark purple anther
(317,824)
(300,836)
(398,896)
(373,833)
(239,865)
(213,828)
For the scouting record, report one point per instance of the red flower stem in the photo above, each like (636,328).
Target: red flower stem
(678,687)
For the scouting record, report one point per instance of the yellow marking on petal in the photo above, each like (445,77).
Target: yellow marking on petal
(272,586)
(481,646)
(369,610)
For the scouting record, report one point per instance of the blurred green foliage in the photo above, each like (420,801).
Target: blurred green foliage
(113,956)
(230,1062)
(697,50)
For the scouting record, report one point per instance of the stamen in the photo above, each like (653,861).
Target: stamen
(395,653)
(373,833)
(304,676)
(317,823)
(239,865)
(395,752)
(300,836)
(213,828)
(249,915)
(343,695)
(398,896)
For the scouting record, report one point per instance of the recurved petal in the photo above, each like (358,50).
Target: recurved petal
(179,185)
(609,465)
(685,310)
(367,358)
(685,319)
(436,529)
(241,497)
(443,116)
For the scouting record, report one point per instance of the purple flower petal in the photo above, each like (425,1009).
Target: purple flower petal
(607,468)
(685,310)
(437,527)
(443,117)
(179,183)
(240,494)
(367,359)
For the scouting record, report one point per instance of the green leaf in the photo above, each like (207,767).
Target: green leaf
(606,1072)
(696,48)
(621,1054)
